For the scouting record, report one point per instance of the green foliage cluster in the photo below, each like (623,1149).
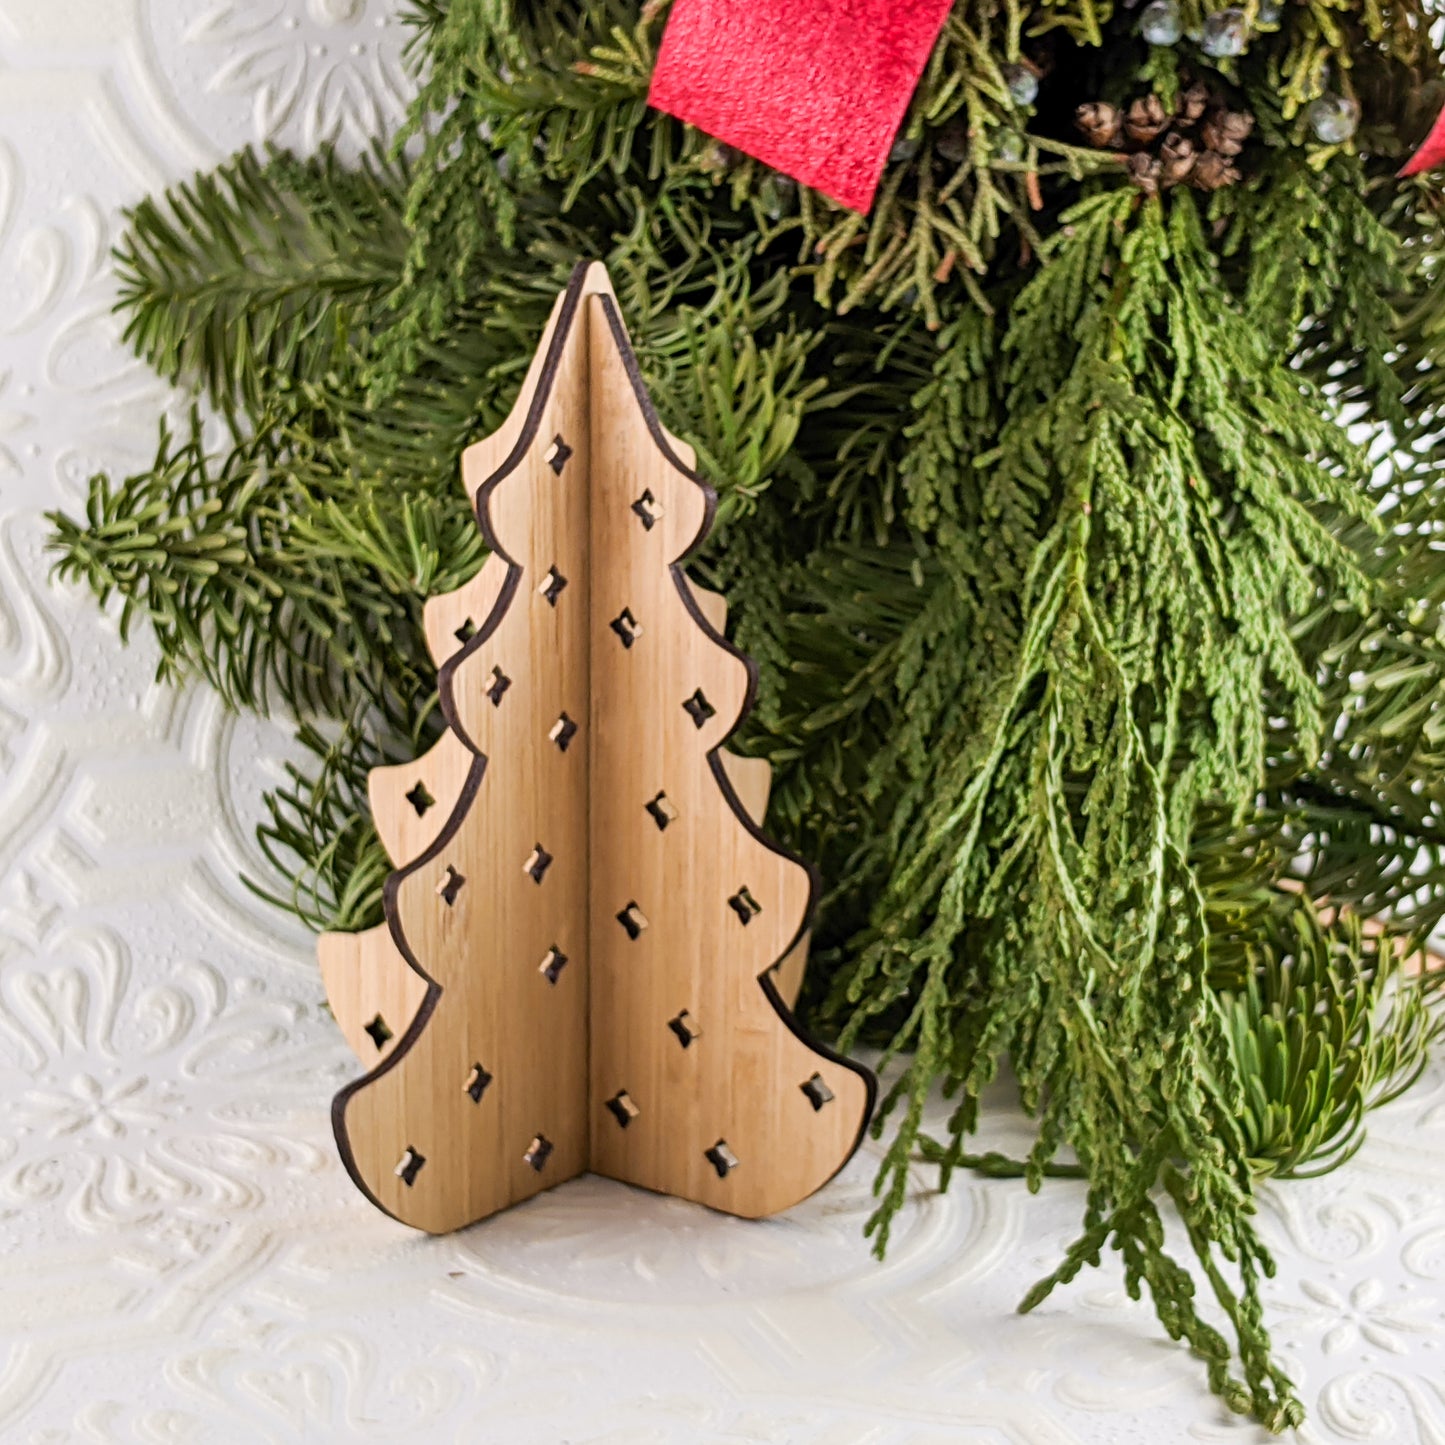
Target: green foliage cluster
(1088,545)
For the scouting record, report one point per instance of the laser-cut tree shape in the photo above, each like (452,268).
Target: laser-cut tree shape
(574,971)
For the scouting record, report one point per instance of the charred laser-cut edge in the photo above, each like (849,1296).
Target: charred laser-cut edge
(433,989)
(684,590)
(571,301)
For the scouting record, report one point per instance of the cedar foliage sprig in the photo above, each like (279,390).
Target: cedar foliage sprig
(1101,671)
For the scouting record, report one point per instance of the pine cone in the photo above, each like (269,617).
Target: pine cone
(1226,131)
(1144,171)
(1146,119)
(1193,102)
(1177,156)
(1212,172)
(1101,124)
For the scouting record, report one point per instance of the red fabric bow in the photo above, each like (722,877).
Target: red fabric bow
(817,90)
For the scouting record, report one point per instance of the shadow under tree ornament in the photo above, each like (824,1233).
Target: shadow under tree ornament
(577,965)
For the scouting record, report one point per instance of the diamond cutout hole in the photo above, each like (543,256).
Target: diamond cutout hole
(552,584)
(631,918)
(626,626)
(420,799)
(378,1031)
(538,1152)
(745,905)
(721,1158)
(450,886)
(557,454)
(699,709)
(537,863)
(409,1166)
(477,1082)
(648,510)
(661,810)
(500,683)
(552,965)
(562,732)
(622,1108)
(817,1091)
(685,1027)
(466,631)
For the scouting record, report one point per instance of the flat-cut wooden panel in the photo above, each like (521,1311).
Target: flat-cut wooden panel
(373,994)
(485,941)
(721,904)
(590,907)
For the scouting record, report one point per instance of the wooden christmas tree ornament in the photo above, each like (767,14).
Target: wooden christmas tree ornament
(579,968)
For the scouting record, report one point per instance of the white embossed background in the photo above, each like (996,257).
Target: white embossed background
(181,1255)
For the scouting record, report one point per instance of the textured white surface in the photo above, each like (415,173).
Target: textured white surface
(181,1256)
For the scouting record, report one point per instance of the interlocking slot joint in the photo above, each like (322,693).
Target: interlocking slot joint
(622,1108)
(552,584)
(557,454)
(562,732)
(662,810)
(500,683)
(379,1032)
(699,709)
(626,626)
(745,905)
(409,1166)
(649,511)
(817,1091)
(721,1158)
(537,864)
(420,799)
(450,886)
(538,1152)
(631,918)
(552,965)
(477,1082)
(685,1027)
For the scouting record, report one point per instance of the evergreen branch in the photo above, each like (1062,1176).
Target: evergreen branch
(259,276)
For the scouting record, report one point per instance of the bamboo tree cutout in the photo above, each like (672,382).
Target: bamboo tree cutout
(585,920)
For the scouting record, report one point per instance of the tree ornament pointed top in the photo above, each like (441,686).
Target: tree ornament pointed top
(577,967)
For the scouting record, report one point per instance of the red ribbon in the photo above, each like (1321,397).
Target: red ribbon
(817,90)
(1431,152)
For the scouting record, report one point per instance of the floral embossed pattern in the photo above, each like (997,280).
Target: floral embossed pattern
(325,70)
(99,1064)
(181,1255)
